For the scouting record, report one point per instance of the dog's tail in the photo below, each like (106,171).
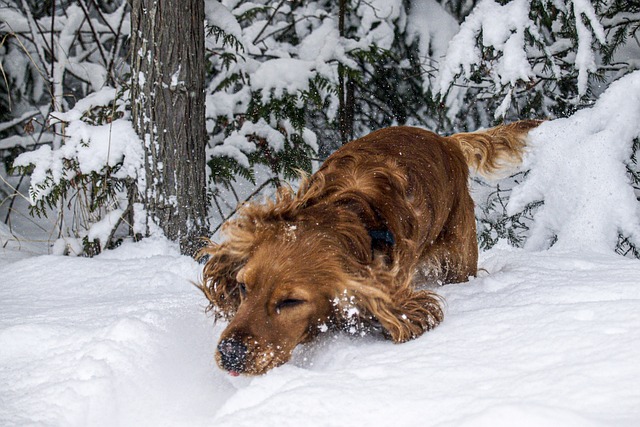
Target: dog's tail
(493,153)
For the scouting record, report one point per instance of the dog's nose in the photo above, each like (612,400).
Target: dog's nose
(233,355)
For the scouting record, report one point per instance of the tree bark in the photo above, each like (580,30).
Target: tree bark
(167,100)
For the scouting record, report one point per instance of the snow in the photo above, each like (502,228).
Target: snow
(433,27)
(67,246)
(585,57)
(578,168)
(101,230)
(282,76)
(93,147)
(237,144)
(11,123)
(234,147)
(225,104)
(501,27)
(541,338)
(377,18)
(311,139)
(63,60)
(219,16)
(108,144)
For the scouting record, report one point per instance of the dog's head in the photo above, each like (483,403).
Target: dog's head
(285,298)
(278,294)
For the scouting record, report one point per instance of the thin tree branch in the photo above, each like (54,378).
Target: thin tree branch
(251,196)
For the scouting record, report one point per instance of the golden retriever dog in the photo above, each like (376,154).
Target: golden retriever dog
(356,246)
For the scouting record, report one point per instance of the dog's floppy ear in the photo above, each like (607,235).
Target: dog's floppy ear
(404,315)
(242,233)
(219,282)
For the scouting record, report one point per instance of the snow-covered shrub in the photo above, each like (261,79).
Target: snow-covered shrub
(58,61)
(580,169)
(521,59)
(90,181)
(539,58)
(258,94)
(55,53)
(255,109)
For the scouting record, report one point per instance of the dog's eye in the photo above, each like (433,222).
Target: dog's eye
(288,303)
(243,289)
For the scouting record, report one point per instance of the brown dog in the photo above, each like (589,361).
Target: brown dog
(384,215)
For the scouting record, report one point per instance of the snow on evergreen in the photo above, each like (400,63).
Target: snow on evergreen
(585,57)
(578,167)
(502,47)
(501,27)
(89,148)
(221,17)
(432,27)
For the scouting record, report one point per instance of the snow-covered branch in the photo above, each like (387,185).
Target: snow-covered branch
(579,169)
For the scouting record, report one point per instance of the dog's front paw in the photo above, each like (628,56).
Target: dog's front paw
(415,314)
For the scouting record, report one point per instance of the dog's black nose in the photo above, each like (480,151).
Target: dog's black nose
(233,355)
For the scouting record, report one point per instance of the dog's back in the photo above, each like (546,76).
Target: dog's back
(414,183)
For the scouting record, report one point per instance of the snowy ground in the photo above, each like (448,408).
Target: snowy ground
(543,339)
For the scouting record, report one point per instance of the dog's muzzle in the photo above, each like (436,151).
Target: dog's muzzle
(233,355)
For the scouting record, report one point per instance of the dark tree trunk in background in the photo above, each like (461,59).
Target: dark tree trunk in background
(167,94)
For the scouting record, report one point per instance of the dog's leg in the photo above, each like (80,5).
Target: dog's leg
(404,315)
(444,265)
(453,256)
(413,313)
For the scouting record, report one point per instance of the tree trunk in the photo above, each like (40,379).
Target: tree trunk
(167,100)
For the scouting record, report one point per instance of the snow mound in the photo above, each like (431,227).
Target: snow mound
(578,167)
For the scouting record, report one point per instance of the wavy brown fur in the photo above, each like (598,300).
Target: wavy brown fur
(307,259)
(493,152)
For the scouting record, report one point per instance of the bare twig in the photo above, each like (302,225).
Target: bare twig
(53,19)
(96,37)
(117,44)
(251,196)
(215,200)
(275,11)
(32,23)
(4,76)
